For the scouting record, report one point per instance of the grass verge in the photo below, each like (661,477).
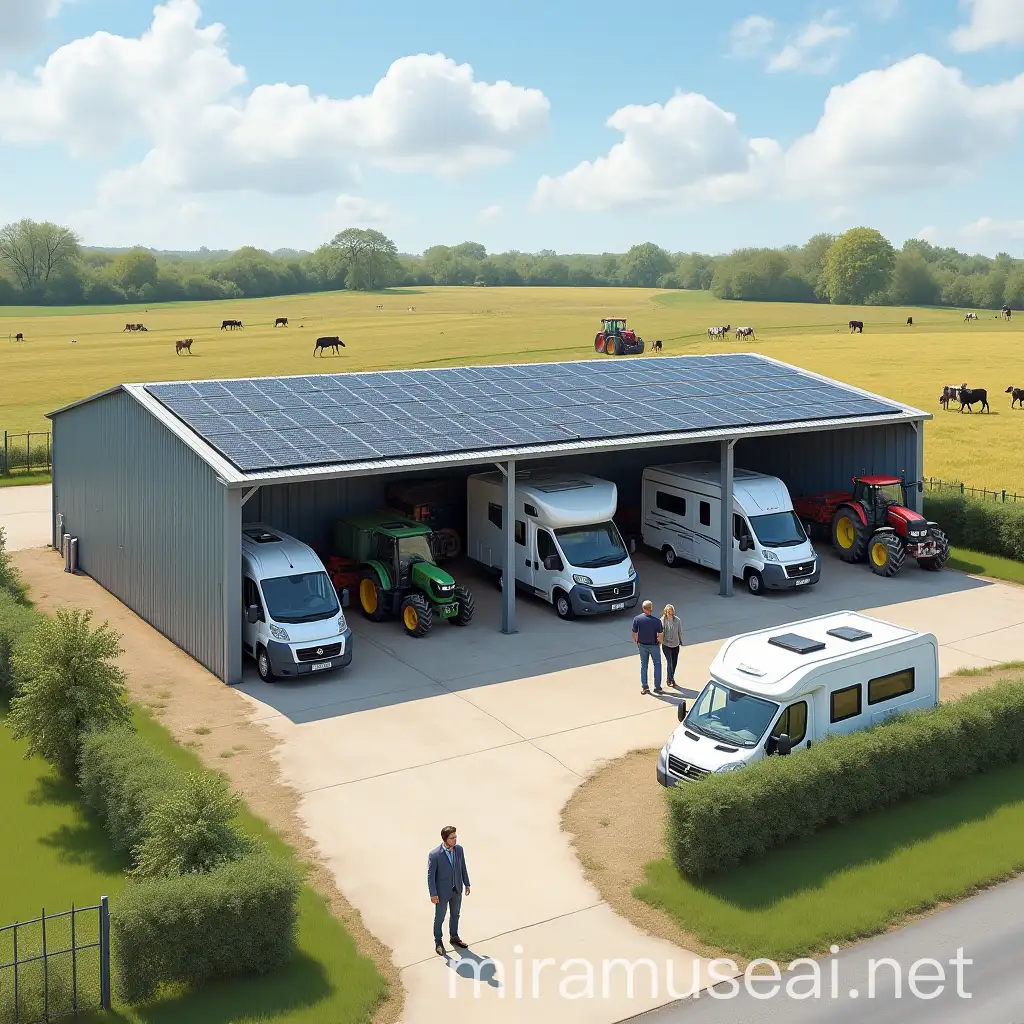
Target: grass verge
(26,479)
(980,564)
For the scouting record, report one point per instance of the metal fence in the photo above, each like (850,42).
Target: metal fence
(55,966)
(972,492)
(23,453)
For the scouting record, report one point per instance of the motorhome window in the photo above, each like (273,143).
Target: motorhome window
(520,532)
(530,510)
(494,514)
(731,716)
(778,530)
(303,598)
(674,503)
(895,684)
(792,722)
(739,527)
(250,594)
(705,513)
(845,704)
(545,545)
(590,547)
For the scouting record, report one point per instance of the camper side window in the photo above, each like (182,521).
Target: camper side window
(705,513)
(674,503)
(250,594)
(896,684)
(792,722)
(494,514)
(520,532)
(845,703)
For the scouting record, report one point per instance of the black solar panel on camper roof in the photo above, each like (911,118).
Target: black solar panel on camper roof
(796,643)
(332,418)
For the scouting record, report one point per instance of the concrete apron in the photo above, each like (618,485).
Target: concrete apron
(494,733)
(25,516)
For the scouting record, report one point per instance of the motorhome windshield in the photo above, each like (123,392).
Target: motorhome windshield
(303,598)
(590,547)
(731,715)
(778,530)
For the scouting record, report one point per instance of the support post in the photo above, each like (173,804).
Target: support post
(232,587)
(105,951)
(916,497)
(508,526)
(725,565)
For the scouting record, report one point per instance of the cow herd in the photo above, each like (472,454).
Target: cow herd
(722,332)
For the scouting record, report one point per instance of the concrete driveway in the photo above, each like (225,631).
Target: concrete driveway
(493,733)
(25,516)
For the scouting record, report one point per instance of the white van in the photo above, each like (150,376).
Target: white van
(781,689)
(682,519)
(568,549)
(292,621)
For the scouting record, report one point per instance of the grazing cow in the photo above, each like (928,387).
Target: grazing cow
(970,316)
(744,332)
(719,332)
(411,309)
(185,345)
(380,305)
(968,396)
(910,321)
(230,324)
(19,336)
(657,346)
(1016,395)
(1006,312)
(281,321)
(322,344)
(856,326)
(949,392)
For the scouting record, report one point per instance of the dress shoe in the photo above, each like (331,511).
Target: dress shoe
(439,949)
(460,943)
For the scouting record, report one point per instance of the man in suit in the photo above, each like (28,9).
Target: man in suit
(446,877)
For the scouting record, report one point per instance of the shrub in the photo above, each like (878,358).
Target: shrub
(722,819)
(996,528)
(237,920)
(16,622)
(10,579)
(68,685)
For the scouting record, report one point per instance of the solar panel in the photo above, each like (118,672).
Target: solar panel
(329,418)
(796,643)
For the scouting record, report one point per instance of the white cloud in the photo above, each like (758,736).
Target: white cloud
(992,22)
(357,212)
(22,21)
(913,124)
(749,37)
(490,214)
(810,50)
(176,89)
(929,233)
(993,229)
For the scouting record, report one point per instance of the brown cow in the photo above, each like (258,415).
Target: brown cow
(1016,395)
(185,345)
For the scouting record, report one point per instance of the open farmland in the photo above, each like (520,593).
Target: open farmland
(452,326)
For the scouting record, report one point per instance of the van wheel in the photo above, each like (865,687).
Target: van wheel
(755,582)
(563,606)
(670,558)
(263,665)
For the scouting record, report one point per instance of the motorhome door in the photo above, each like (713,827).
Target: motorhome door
(543,545)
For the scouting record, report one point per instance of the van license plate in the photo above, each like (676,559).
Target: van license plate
(618,606)
(320,666)
(802,583)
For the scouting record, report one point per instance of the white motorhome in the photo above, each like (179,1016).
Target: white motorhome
(292,621)
(567,548)
(781,689)
(682,519)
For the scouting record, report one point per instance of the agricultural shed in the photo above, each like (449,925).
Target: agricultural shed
(155,480)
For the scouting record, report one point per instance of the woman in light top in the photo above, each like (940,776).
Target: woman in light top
(671,640)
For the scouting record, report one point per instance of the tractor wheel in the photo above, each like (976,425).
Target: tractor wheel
(599,344)
(849,535)
(609,346)
(886,554)
(935,563)
(448,544)
(640,347)
(618,347)
(371,598)
(417,615)
(466,607)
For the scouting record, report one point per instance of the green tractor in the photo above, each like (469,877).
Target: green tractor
(398,574)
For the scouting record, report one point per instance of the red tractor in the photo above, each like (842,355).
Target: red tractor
(875,522)
(615,339)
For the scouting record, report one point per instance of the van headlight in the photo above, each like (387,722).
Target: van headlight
(730,767)
(342,624)
(279,632)
(583,581)
(663,758)
(632,571)
(770,556)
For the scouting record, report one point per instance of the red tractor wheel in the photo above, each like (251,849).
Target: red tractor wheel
(849,534)
(599,344)
(886,553)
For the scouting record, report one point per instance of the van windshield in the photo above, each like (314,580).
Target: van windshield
(778,530)
(303,598)
(590,547)
(731,715)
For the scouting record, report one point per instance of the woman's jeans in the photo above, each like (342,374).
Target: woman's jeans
(671,657)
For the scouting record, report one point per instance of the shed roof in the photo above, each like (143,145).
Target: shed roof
(272,429)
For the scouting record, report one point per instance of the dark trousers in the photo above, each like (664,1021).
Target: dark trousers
(671,657)
(447,901)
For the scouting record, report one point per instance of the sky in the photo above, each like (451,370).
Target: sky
(574,126)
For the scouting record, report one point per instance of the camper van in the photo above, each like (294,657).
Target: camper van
(682,519)
(567,548)
(292,622)
(779,690)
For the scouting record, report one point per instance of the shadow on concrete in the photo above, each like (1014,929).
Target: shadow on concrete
(474,967)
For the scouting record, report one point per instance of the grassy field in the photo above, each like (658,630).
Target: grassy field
(55,854)
(452,326)
(980,564)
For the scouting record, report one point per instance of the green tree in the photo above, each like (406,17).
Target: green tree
(913,283)
(35,252)
(470,251)
(993,289)
(858,264)
(643,265)
(10,578)
(810,263)
(135,268)
(68,684)
(1014,294)
(192,830)
(369,258)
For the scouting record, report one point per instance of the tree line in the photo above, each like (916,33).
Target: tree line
(44,263)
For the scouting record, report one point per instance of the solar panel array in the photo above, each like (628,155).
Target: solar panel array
(327,419)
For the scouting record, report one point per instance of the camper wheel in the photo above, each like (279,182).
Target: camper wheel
(563,606)
(755,583)
(670,557)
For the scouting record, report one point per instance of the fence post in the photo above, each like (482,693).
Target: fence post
(17,1003)
(1004,495)
(49,461)
(104,953)
(46,974)
(28,452)
(74,964)
(7,461)
(961,489)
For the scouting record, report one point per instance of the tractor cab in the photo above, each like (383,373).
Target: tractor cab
(878,493)
(613,326)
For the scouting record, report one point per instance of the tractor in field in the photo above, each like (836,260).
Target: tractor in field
(440,504)
(874,522)
(397,572)
(616,339)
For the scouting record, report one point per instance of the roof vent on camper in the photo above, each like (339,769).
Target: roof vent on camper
(850,633)
(796,643)
(262,536)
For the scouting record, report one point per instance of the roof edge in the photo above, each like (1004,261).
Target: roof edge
(85,401)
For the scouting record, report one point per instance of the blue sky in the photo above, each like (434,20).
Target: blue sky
(578,127)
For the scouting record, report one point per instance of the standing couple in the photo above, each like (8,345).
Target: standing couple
(652,636)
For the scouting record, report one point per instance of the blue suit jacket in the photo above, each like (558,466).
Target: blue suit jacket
(442,877)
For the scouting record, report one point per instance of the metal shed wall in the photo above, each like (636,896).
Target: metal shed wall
(154,526)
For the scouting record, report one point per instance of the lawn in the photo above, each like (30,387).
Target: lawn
(25,479)
(854,880)
(56,853)
(980,564)
(453,326)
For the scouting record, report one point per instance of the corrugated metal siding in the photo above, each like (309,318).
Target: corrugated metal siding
(151,521)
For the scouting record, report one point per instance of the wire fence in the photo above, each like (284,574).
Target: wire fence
(972,492)
(29,452)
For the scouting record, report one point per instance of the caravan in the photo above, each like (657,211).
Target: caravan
(682,519)
(779,690)
(567,548)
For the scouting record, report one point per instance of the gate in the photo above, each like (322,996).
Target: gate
(56,965)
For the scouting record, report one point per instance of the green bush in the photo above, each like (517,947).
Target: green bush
(720,820)
(10,579)
(237,920)
(996,528)
(16,622)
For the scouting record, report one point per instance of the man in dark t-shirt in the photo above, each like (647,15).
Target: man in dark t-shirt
(647,637)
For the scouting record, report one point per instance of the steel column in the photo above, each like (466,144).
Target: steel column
(508,525)
(232,586)
(916,496)
(726,460)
